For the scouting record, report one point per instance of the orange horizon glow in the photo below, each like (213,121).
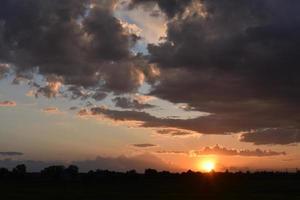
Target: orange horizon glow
(207,165)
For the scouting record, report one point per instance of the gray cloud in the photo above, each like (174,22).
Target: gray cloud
(11,153)
(272,136)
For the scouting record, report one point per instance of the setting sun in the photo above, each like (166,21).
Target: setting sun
(207,165)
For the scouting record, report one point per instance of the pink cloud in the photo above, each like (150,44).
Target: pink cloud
(8,104)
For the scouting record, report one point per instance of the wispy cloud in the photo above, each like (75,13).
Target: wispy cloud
(8,104)
(11,153)
(144,145)
(52,110)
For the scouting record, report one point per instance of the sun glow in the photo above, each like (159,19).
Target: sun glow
(207,165)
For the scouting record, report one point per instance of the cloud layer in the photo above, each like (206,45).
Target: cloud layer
(121,163)
(237,60)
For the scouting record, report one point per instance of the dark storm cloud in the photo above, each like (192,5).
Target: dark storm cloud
(272,136)
(128,103)
(11,153)
(238,60)
(79,41)
(170,7)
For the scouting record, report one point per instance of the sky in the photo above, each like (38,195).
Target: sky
(134,84)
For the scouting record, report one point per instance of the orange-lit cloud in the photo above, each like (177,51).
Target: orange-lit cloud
(8,104)
(52,110)
(223,151)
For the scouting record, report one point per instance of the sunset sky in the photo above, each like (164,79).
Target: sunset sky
(166,84)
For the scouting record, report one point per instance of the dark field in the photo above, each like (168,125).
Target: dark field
(62,184)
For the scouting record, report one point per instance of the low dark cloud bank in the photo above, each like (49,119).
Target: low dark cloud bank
(121,163)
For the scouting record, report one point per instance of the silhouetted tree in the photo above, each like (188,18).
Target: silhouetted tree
(150,172)
(53,171)
(4,172)
(72,171)
(19,170)
(131,172)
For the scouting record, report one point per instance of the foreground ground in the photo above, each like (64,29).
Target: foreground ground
(108,185)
